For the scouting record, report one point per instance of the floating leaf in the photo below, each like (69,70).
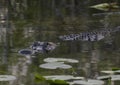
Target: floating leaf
(115,69)
(7,77)
(59,77)
(61,60)
(39,78)
(57,82)
(55,65)
(105,6)
(88,82)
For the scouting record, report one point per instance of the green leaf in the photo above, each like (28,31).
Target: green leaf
(115,69)
(105,6)
(39,78)
(50,81)
(57,82)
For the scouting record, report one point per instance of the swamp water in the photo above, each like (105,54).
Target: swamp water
(85,43)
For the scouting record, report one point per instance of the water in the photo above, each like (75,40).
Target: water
(63,18)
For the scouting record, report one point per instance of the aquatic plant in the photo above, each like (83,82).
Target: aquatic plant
(39,78)
(7,77)
(105,6)
(55,65)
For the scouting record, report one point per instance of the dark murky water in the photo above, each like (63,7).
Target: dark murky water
(93,55)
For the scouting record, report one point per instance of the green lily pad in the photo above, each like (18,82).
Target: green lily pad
(105,6)
(115,69)
(39,78)
(57,82)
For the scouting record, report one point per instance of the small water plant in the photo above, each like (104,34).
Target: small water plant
(39,78)
(105,6)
